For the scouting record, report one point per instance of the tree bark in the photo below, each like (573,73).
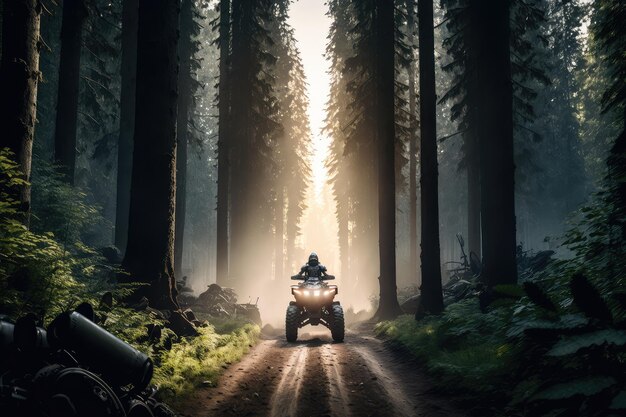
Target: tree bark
(241,141)
(279,233)
(291,232)
(410,7)
(223,160)
(74,13)
(343,233)
(432,296)
(127,121)
(150,250)
(19,76)
(181,185)
(473,193)
(384,31)
(185,87)
(471,137)
(1,18)
(496,141)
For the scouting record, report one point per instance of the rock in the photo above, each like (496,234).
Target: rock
(154,332)
(411,305)
(141,305)
(180,325)
(190,314)
(112,254)
(106,301)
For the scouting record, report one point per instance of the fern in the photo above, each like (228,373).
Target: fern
(585,386)
(572,344)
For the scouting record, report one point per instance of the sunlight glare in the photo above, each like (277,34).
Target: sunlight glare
(310,23)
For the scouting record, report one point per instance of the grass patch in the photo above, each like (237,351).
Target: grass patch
(182,364)
(191,361)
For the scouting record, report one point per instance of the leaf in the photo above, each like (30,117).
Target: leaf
(510,290)
(588,299)
(584,386)
(619,401)
(538,296)
(572,344)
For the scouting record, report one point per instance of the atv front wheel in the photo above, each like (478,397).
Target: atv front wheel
(292,321)
(337,329)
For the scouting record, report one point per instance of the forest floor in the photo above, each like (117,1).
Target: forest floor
(317,377)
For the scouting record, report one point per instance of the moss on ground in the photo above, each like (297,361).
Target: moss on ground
(192,362)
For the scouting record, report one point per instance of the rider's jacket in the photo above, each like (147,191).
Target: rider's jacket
(311,271)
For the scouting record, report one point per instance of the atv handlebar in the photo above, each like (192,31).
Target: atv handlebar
(324,278)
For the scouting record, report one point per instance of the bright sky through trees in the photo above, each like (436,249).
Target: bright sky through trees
(309,20)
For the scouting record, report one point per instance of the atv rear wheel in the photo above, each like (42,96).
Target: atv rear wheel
(337,329)
(292,322)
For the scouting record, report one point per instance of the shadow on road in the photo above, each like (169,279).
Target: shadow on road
(306,340)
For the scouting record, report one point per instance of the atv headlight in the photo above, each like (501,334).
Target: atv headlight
(297,292)
(307,293)
(316,293)
(330,292)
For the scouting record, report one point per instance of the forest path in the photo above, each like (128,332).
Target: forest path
(316,377)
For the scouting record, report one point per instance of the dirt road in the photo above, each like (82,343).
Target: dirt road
(316,377)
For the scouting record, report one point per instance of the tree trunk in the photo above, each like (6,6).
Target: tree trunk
(343,233)
(471,137)
(385,129)
(74,13)
(473,193)
(1,18)
(279,234)
(19,75)
(293,200)
(181,183)
(150,250)
(496,142)
(240,139)
(185,87)
(410,7)
(223,160)
(432,296)
(127,121)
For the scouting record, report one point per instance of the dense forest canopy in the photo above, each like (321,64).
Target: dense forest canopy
(152,148)
(561,134)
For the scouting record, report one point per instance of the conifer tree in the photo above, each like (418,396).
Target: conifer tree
(19,76)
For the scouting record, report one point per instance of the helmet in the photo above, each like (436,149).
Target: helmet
(313,259)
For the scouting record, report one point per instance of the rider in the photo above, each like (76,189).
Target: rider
(313,270)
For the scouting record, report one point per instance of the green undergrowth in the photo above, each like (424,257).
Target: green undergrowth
(181,364)
(200,360)
(466,351)
(554,345)
(53,267)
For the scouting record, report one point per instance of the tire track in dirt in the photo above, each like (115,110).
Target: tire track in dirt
(392,389)
(399,377)
(245,389)
(316,377)
(284,401)
(364,395)
(339,396)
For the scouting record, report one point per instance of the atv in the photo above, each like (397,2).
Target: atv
(314,305)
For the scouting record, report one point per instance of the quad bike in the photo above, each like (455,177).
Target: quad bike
(314,305)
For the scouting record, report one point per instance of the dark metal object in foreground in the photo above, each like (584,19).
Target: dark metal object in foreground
(118,361)
(74,369)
